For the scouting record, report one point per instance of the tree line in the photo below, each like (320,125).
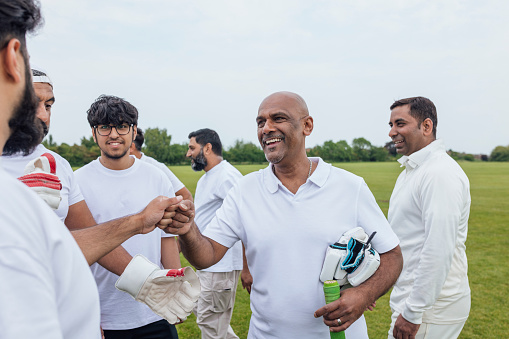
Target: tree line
(158,145)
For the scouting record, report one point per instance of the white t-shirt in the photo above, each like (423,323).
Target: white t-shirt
(286,236)
(177,184)
(112,194)
(47,290)
(71,194)
(210,193)
(429,211)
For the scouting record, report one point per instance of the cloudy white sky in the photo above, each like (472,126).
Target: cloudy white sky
(192,64)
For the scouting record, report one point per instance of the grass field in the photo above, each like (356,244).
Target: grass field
(487,248)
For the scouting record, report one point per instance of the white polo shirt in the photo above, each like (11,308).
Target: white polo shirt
(177,184)
(211,190)
(429,211)
(71,194)
(286,236)
(47,289)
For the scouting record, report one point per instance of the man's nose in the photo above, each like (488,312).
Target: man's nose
(392,132)
(268,127)
(114,133)
(42,113)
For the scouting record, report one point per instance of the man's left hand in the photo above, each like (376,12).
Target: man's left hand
(404,329)
(348,308)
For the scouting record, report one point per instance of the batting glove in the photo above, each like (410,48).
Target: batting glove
(171,294)
(40,176)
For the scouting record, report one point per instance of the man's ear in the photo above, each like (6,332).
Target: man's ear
(135,131)
(207,148)
(427,127)
(93,135)
(13,61)
(308,125)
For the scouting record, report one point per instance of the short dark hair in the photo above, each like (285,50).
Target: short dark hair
(421,108)
(140,138)
(205,136)
(109,109)
(17,18)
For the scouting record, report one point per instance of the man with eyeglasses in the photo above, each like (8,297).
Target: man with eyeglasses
(114,185)
(72,209)
(48,290)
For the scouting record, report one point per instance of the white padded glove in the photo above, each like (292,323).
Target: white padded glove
(352,265)
(40,176)
(171,294)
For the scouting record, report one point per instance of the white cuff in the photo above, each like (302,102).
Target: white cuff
(135,275)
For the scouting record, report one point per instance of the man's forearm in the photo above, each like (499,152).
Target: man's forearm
(116,261)
(391,264)
(97,241)
(200,251)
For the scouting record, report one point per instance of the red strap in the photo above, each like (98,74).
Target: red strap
(41,180)
(175,272)
(52,162)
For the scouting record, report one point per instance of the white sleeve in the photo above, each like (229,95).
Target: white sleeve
(220,229)
(177,184)
(28,306)
(371,218)
(442,202)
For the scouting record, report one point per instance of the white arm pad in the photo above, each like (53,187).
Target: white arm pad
(171,294)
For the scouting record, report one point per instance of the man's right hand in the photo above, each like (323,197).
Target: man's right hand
(159,213)
(182,219)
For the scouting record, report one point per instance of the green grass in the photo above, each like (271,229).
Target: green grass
(487,248)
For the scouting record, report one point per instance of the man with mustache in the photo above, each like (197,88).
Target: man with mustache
(428,210)
(48,290)
(72,209)
(219,282)
(286,215)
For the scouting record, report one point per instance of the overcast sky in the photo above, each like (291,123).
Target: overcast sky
(192,64)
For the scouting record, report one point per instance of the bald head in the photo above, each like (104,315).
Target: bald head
(287,100)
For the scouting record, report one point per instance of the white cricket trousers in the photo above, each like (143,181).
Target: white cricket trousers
(433,331)
(215,305)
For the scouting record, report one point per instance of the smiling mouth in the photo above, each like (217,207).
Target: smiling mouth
(398,142)
(270,141)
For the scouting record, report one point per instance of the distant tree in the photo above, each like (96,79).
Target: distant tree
(88,143)
(361,149)
(500,153)
(244,152)
(378,154)
(469,157)
(178,154)
(49,142)
(333,151)
(391,148)
(157,144)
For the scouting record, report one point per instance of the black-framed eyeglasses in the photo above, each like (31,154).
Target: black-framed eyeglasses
(121,129)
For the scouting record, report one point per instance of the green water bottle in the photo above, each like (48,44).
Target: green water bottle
(331,291)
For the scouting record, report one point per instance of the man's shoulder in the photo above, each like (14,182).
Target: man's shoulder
(230,169)
(338,174)
(91,166)
(443,165)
